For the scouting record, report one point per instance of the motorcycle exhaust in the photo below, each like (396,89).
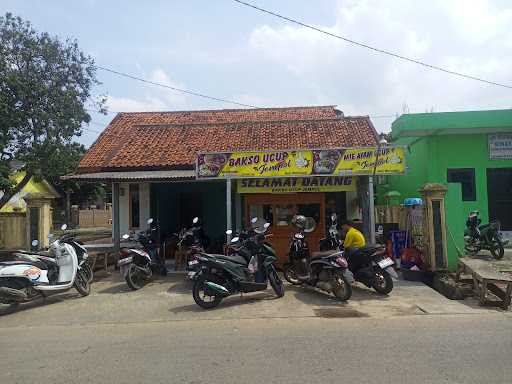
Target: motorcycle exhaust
(12,294)
(217,288)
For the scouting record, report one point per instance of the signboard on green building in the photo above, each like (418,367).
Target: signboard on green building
(500,146)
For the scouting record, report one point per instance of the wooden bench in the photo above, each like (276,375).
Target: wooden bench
(486,279)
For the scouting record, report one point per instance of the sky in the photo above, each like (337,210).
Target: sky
(223,49)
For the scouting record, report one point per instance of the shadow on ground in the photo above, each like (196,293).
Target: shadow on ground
(39,302)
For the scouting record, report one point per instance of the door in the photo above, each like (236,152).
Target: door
(499,195)
(34,225)
(279,210)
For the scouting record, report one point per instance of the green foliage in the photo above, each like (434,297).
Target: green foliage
(44,85)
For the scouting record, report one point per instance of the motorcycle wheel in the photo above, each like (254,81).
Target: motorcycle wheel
(86,268)
(135,278)
(497,251)
(200,296)
(290,275)
(382,282)
(341,288)
(82,283)
(276,282)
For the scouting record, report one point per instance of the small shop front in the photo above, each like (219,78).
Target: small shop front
(277,185)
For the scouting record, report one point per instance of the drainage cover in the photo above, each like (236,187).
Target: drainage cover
(338,312)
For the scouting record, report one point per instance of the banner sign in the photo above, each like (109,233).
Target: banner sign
(333,162)
(297,184)
(500,146)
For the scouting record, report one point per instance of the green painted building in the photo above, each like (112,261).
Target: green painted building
(471,153)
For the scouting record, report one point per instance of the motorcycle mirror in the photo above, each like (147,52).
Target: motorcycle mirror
(64,227)
(126,236)
(35,243)
(150,221)
(229,232)
(334,217)
(266,225)
(254,220)
(235,239)
(195,220)
(299,236)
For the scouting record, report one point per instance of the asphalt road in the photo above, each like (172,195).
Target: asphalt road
(475,348)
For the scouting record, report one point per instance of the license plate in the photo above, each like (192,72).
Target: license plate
(125,261)
(193,262)
(384,263)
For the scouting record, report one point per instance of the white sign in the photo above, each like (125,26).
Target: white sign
(500,146)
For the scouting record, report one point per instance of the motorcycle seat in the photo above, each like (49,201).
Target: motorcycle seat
(36,263)
(233,258)
(319,254)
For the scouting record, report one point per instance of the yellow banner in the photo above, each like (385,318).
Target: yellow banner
(297,184)
(333,162)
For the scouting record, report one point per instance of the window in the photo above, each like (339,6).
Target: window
(466,177)
(134,206)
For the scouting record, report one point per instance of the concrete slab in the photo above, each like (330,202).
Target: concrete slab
(170,299)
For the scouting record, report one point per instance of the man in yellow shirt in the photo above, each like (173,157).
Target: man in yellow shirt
(353,238)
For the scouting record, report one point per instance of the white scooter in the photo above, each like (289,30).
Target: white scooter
(33,276)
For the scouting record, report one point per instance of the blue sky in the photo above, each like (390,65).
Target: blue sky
(223,49)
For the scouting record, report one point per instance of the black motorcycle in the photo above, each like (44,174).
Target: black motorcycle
(248,269)
(137,265)
(327,271)
(487,236)
(371,266)
(332,241)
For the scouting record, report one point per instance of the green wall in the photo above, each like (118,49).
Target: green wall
(428,159)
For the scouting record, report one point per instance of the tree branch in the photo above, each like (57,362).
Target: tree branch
(18,187)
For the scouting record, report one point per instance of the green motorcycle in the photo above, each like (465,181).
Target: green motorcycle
(249,267)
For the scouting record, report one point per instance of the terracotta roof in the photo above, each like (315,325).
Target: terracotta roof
(171,140)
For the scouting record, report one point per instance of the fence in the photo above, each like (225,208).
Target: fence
(13,230)
(93,218)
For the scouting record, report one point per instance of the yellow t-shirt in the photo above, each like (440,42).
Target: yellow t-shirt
(354,239)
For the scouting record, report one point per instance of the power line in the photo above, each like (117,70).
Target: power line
(379,50)
(193,93)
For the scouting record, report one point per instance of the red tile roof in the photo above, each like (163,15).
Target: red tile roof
(171,140)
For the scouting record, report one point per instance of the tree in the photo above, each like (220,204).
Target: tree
(44,86)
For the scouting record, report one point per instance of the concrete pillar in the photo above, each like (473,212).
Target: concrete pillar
(238,211)
(371,209)
(116,224)
(229,224)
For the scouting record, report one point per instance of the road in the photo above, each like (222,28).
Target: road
(158,335)
(416,349)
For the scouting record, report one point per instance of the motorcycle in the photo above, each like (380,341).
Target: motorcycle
(372,267)
(332,241)
(327,271)
(191,243)
(81,253)
(34,275)
(246,270)
(487,236)
(136,265)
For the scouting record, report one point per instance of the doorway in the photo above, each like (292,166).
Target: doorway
(499,195)
(279,209)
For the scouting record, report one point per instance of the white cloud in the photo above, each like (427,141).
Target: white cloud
(153,98)
(470,36)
